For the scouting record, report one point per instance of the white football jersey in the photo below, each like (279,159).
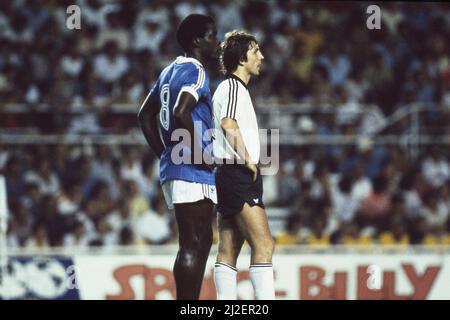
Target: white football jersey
(232,100)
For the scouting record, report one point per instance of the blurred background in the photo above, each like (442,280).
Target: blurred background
(363,118)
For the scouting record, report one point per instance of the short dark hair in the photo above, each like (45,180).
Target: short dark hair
(234,49)
(193,26)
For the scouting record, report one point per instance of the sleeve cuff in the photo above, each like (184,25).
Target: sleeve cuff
(191,91)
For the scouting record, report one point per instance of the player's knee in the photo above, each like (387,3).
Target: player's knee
(186,258)
(200,245)
(191,256)
(269,244)
(229,252)
(265,247)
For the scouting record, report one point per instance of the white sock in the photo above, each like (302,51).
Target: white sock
(225,279)
(261,275)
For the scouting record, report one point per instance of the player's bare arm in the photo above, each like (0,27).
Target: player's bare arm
(234,137)
(148,120)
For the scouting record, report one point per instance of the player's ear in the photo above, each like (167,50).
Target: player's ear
(243,59)
(196,42)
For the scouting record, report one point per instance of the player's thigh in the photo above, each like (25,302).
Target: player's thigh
(254,225)
(194,220)
(230,237)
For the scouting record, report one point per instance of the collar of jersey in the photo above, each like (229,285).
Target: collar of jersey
(182,59)
(230,75)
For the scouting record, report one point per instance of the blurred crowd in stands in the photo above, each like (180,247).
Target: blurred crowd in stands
(109,195)
(316,53)
(369,194)
(84,196)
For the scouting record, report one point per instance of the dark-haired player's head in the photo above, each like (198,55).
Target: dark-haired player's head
(198,32)
(240,49)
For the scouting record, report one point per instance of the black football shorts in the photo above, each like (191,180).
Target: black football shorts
(235,187)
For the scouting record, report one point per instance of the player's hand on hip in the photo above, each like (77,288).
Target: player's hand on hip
(207,163)
(209,167)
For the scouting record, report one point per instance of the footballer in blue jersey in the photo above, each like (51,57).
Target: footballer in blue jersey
(179,106)
(185,74)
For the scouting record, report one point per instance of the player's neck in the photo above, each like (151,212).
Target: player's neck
(196,55)
(243,75)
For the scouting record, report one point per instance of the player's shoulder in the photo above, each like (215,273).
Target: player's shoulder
(231,83)
(225,85)
(189,64)
(195,73)
(193,67)
(166,72)
(221,91)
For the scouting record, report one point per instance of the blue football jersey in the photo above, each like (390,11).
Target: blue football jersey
(184,74)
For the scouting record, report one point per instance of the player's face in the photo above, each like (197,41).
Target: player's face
(254,59)
(209,44)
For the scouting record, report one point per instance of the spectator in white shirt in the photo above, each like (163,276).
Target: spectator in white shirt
(413,203)
(95,11)
(155,11)
(154,227)
(114,31)
(110,65)
(106,237)
(337,64)
(435,168)
(362,185)
(46,179)
(72,62)
(149,36)
(102,169)
(349,111)
(121,217)
(69,199)
(131,168)
(434,211)
(344,201)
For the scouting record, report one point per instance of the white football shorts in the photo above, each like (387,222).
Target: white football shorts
(180,191)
